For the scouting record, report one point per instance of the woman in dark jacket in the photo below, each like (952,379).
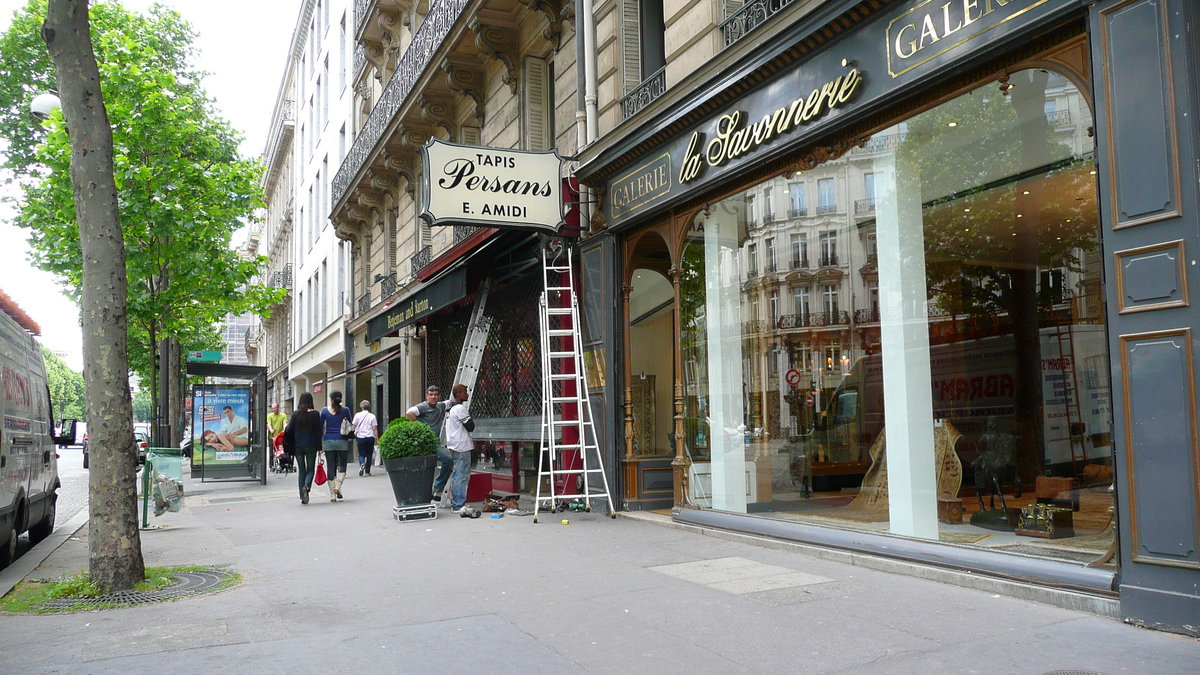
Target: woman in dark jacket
(335,445)
(305,431)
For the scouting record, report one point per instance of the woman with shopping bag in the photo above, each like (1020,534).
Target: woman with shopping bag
(338,428)
(303,437)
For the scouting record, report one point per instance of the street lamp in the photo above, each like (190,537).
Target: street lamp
(43,105)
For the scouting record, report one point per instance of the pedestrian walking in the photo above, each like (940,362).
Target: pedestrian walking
(335,444)
(432,412)
(459,426)
(302,440)
(366,432)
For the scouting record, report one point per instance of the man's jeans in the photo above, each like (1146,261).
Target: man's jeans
(443,476)
(462,476)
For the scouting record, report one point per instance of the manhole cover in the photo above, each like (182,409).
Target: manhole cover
(186,584)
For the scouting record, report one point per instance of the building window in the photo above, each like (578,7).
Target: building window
(752,260)
(768,205)
(829,297)
(798,208)
(750,217)
(770,255)
(829,256)
(799,251)
(774,307)
(800,301)
(826,200)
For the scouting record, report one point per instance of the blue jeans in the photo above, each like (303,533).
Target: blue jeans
(462,476)
(366,448)
(443,476)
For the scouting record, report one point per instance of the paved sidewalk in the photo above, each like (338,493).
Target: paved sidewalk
(344,588)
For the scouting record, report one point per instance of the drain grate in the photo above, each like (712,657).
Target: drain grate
(186,585)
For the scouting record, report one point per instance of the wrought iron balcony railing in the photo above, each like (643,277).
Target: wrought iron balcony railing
(813,319)
(799,263)
(754,327)
(881,143)
(362,10)
(644,94)
(421,259)
(461,232)
(797,213)
(866,316)
(388,286)
(283,277)
(768,218)
(826,208)
(864,206)
(830,260)
(1059,118)
(750,16)
(769,268)
(364,303)
(425,43)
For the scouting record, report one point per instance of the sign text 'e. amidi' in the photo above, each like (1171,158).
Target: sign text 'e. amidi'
(491,187)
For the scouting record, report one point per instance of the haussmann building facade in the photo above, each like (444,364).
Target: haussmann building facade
(908,278)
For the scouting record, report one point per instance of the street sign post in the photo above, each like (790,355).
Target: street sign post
(206,356)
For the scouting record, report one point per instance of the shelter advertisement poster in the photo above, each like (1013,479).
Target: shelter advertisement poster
(221,423)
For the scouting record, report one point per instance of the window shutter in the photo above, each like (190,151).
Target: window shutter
(537,104)
(732,6)
(631,44)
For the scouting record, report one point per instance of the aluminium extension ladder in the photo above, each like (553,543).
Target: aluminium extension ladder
(572,480)
(469,360)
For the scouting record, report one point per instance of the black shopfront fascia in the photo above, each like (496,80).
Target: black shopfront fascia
(419,304)
(862,52)
(655,166)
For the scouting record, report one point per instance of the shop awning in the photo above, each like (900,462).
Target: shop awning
(419,304)
(387,354)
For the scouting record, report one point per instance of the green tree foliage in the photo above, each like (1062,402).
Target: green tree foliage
(183,188)
(66,387)
(143,408)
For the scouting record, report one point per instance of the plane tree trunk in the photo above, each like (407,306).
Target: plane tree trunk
(114,545)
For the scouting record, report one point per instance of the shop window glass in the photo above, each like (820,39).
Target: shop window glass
(977,278)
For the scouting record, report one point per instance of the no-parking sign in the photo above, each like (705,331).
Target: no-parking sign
(792,377)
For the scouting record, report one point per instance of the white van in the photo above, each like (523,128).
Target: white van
(28,463)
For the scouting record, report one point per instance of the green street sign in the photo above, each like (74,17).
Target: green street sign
(207,356)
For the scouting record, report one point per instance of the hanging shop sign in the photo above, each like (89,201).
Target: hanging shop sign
(419,304)
(863,70)
(491,187)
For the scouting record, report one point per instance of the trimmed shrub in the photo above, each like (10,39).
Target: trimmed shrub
(406,438)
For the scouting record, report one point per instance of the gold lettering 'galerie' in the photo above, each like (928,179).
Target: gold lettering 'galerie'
(733,139)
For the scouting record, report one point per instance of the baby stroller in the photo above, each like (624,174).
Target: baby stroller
(281,462)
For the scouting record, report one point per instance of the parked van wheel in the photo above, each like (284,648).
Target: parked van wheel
(8,550)
(43,529)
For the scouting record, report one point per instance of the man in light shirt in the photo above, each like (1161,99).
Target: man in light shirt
(366,432)
(459,426)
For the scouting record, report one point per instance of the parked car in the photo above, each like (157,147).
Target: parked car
(28,461)
(140,438)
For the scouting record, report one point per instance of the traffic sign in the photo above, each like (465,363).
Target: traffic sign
(792,377)
(206,356)
(808,400)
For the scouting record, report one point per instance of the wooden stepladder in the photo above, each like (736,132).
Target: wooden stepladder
(569,464)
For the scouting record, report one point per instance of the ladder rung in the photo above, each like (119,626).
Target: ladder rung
(559,288)
(558,311)
(563,376)
(563,423)
(562,332)
(569,446)
(562,355)
(564,399)
(557,268)
(563,472)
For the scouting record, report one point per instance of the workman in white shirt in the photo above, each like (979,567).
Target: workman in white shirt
(459,426)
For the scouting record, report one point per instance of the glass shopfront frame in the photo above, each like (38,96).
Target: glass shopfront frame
(909,294)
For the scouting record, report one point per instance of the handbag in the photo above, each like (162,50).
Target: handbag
(319,478)
(347,429)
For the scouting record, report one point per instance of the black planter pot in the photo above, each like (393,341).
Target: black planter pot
(412,479)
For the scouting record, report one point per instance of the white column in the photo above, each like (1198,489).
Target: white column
(908,402)
(723,319)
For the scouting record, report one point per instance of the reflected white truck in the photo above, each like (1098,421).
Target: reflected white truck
(28,462)
(975,379)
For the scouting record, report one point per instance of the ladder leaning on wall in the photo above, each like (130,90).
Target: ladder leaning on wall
(572,471)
